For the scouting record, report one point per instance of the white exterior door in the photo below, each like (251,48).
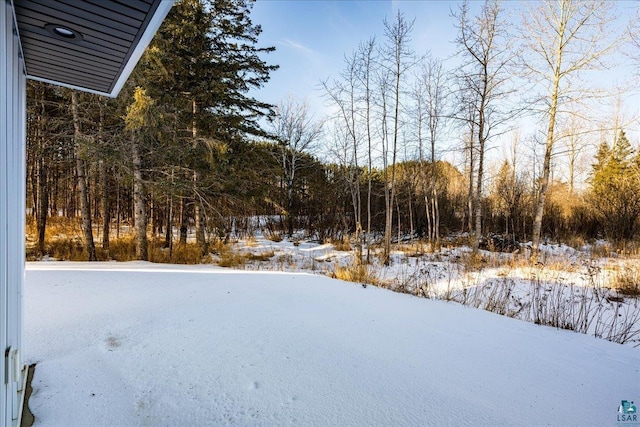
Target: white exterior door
(12,215)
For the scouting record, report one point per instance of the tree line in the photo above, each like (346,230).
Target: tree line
(186,147)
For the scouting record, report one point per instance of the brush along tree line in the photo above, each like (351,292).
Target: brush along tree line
(186,147)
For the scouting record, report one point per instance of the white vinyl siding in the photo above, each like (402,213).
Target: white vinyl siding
(15,39)
(12,214)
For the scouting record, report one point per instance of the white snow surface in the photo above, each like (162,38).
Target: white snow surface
(140,344)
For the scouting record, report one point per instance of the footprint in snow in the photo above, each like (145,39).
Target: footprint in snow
(113,342)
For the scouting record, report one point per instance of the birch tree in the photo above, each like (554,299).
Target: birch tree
(561,39)
(429,97)
(343,93)
(483,78)
(397,59)
(366,58)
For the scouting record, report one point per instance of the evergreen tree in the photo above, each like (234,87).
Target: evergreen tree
(204,61)
(200,68)
(615,186)
(602,157)
(139,115)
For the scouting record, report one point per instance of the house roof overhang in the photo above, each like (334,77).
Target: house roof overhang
(89,45)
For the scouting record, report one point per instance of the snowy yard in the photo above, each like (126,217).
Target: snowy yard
(120,344)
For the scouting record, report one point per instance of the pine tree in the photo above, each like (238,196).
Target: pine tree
(80,141)
(615,185)
(200,68)
(139,116)
(204,61)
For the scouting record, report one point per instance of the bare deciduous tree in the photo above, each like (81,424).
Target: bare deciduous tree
(297,132)
(483,77)
(634,39)
(430,97)
(561,38)
(366,58)
(343,93)
(397,60)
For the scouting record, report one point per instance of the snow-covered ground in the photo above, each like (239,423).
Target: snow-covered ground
(567,288)
(120,344)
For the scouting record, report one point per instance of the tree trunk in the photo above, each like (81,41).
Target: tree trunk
(183,222)
(104,183)
(42,206)
(83,191)
(106,208)
(290,201)
(399,236)
(369,148)
(139,205)
(481,147)
(546,166)
(199,220)
(394,151)
(436,216)
(118,211)
(435,209)
(198,216)
(427,209)
(168,238)
(411,230)
(478,198)
(470,202)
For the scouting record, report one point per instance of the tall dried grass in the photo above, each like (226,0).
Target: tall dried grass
(355,272)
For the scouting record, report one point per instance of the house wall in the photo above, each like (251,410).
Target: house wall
(12,214)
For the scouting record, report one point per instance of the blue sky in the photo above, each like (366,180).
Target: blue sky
(312,36)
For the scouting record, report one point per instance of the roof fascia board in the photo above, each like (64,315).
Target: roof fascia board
(15,26)
(80,88)
(159,15)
